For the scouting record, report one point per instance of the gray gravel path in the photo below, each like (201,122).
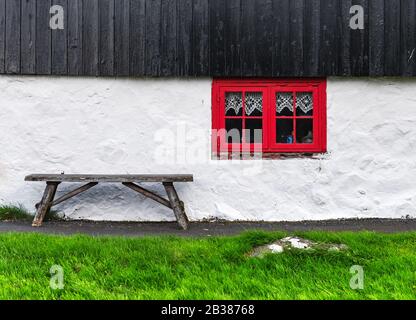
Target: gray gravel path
(206,228)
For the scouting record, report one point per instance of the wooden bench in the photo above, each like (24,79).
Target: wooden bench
(129,180)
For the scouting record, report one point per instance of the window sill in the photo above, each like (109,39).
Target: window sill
(269,156)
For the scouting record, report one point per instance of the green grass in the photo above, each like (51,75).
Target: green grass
(205,268)
(13,213)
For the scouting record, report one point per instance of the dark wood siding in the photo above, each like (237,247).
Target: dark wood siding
(2,33)
(12,52)
(90,37)
(28,37)
(220,38)
(137,37)
(106,34)
(74,27)
(60,43)
(43,48)
(122,37)
(200,37)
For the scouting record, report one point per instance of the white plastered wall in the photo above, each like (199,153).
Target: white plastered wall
(96,125)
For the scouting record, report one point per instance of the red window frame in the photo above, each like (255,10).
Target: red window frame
(269,88)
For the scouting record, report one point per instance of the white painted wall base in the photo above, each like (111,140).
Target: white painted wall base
(89,125)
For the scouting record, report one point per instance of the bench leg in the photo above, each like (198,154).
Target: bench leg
(45,204)
(177,205)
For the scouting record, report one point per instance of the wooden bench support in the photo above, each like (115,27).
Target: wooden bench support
(177,205)
(73,193)
(45,204)
(148,194)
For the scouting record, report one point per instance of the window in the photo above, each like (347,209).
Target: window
(269,116)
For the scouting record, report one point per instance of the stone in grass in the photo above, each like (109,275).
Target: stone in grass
(275,248)
(297,243)
(289,243)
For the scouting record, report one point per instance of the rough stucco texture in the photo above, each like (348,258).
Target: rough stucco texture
(88,125)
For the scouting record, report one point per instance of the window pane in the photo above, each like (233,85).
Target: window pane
(233,104)
(253,131)
(304,131)
(234,128)
(304,104)
(254,103)
(284,104)
(284,131)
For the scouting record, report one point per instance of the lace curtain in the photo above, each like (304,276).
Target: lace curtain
(233,101)
(253,101)
(284,100)
(304,101)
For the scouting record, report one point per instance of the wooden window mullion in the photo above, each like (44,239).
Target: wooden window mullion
(294,118)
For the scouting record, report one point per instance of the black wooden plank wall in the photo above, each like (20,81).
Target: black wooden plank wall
(264,38)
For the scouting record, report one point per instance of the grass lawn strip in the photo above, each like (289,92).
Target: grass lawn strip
(206,268)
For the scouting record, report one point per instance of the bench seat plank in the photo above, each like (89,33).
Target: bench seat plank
(110,177)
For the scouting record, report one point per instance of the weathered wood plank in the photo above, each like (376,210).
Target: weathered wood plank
(28,37)
(75,64)
(329,42)
(106,37)
(43,37)
(408,37)
(73,193)
(2,34)
(184,37)
(392,59)
(359,44)
(200,34)
(248,47)
(177,205)
(376,38)
(12,52)
(169,38)
(217,37)
(312,25)
(233,38)
(138,37)
(110,177)
(281,38)
(296,37)
(90,37)
(148,194)
(45,203)
(264,37)
(122,38)
(344,34)
(60,43)
(153,34)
